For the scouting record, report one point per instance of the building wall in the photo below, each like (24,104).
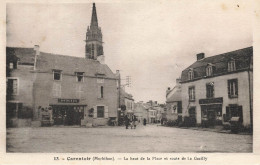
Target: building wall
(220,90)
(129,104)
(25,85)
(172,114)
(44,96)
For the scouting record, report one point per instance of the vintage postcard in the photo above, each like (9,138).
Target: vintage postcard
(130,82)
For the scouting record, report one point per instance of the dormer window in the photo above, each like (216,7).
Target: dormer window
(191,74)
(57,75)
(80,76)
(231,65)
(209,70)
(13,65)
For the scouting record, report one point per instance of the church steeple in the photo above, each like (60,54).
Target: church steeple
(94,48)
(94,21)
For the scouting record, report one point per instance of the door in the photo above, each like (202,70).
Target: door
(211,117)
(58,115)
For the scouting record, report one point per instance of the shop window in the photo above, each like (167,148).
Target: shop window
(56,75)
(192,93)
(80,76)
(100,111)
(233,111)
(56,90)
(210,90)
(231,65)
(191,74)
(233,88)
(12,86)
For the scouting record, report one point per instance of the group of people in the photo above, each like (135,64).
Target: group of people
(130,120)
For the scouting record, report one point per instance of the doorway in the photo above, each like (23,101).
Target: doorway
(67,114)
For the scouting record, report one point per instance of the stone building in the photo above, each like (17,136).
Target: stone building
(174,103)
(219,87)
(141,111)
(79,91)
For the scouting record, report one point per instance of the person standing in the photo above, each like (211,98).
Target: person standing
(126,122)
(135,119)
(144,121)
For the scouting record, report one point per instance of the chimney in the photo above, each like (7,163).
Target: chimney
(200,56)
(37,49)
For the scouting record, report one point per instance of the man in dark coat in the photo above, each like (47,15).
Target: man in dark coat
(144,121)
(126,122)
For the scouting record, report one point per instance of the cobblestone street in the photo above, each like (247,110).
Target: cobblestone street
(150,138)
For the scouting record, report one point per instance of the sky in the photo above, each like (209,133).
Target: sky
(152,42)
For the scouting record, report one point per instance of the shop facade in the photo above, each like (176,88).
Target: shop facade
(217,88)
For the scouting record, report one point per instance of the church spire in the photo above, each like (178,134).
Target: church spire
(94,48)
(94,21)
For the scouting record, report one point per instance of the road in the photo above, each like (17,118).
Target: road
(150,138)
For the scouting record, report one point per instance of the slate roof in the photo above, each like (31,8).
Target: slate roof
(124,95)
(242,58)
(25,55)
(46,62)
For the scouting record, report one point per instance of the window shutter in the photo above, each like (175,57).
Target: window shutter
(95,112)
(106,111)
(236,88)
(228,86)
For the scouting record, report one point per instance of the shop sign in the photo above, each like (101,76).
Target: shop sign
(211,101)
(68,100)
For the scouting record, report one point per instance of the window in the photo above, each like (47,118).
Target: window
(191,75)
(79,91)
(232,88)
(231,65)
(191,93)
(56,90)
(100,111)
(11,65)
(209,70)
(174,108)
(80,76)
(12,86)
(100,80)
(101,92)
(233,111)
(56,75)
(210,90)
